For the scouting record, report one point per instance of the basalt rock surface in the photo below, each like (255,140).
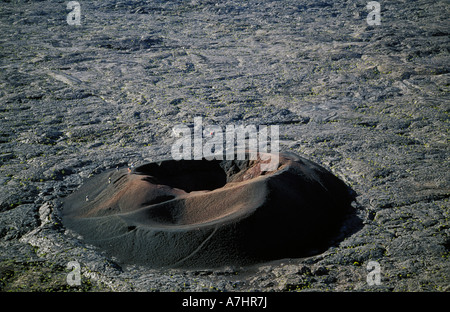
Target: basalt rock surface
(367,102)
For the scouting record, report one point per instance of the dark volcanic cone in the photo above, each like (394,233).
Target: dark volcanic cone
(200,213)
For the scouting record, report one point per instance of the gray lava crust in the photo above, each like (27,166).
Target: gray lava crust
(369,103)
